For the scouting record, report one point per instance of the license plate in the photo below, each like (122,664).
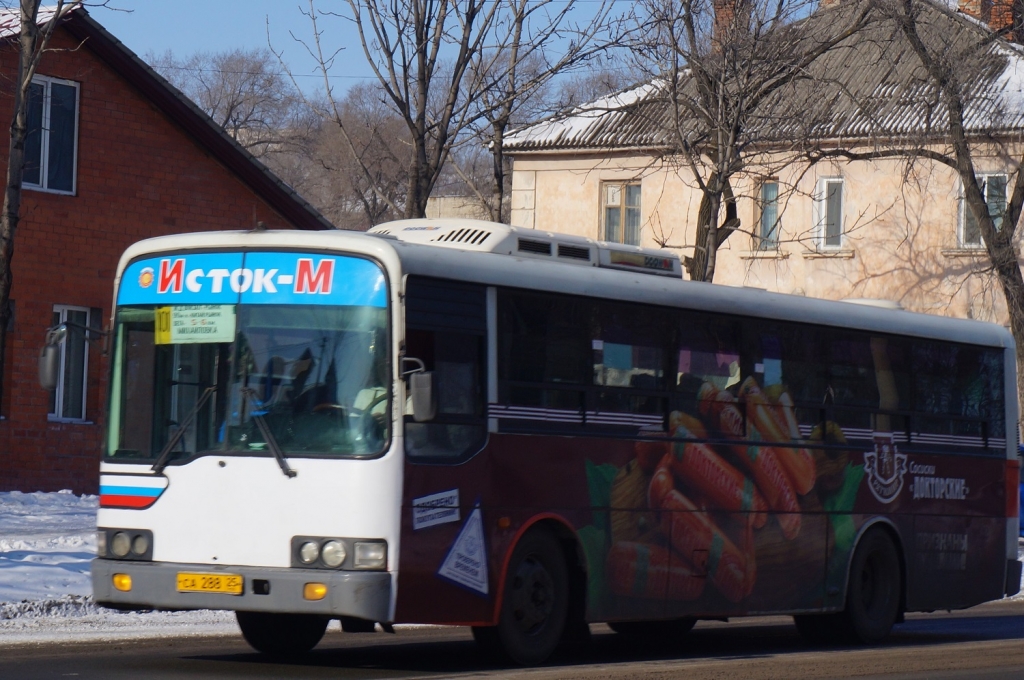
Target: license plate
(229,584)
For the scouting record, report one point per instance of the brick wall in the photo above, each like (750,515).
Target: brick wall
(139,176)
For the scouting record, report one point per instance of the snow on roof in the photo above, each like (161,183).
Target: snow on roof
(872,86)
(599,122)
(10,19)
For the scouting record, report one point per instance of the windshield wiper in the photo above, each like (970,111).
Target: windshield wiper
(249,395)
(165,453)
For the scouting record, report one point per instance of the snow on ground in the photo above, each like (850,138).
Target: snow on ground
(46,543)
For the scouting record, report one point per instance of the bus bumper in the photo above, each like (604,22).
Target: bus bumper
(361,594)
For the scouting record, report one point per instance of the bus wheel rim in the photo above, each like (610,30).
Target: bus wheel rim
(532,596)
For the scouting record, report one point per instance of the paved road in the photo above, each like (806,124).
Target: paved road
(984,643)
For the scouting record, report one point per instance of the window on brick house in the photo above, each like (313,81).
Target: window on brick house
(51,145)
(621,212)
(993,188)
(67,402)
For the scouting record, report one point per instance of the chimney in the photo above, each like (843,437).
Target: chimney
(1001,19)
(976,8)
(1002,16)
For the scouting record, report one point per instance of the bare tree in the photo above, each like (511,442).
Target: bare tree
(364,178)
(245,92)
(722,72)
(36,30)
(952,79)
(535,42)
(445,65)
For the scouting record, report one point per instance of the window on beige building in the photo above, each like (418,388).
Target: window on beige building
(621,212)
(770,224)
(828,205)
(993,188)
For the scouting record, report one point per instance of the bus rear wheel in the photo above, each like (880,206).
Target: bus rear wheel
(873,593)
(535,603)
(281,635)
(872,597)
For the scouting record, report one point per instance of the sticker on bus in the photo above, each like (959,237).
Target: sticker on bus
(187,324)
(466,562)
(437,508)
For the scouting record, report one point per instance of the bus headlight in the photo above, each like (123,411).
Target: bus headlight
(309,552)
(370,555)
(124,544)
(333,553)
(328,552)
(120,544)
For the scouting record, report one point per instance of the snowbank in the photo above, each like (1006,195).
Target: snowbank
(46,543)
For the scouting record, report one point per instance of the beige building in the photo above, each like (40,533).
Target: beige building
(831,230)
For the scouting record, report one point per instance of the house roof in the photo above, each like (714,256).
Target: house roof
(183,112)
(871,85)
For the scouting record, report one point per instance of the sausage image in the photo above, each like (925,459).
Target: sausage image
(722,485)
(765,418)
(762,462)
(691,531)
(651,571)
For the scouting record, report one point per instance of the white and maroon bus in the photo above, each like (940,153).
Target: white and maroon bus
(459,422)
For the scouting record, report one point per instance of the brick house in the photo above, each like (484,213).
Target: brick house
(116,154)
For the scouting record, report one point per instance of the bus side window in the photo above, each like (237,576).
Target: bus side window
(446,331)
(629,345)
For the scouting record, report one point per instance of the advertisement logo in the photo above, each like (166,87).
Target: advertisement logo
(146,277)
(885,468)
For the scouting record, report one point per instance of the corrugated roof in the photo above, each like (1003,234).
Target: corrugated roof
(872,85)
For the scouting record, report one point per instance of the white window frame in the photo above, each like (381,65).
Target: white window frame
(761,242)
(44,152)
(622,184)
(961,221)
(821,213)
(58,402)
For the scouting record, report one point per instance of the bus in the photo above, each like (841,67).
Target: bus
(466,423)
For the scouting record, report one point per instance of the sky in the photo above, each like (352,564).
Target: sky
(189,26)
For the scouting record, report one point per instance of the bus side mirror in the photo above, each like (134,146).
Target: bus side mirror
(424,404)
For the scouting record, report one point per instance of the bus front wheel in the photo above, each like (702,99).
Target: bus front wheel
(281,634)
(535,603)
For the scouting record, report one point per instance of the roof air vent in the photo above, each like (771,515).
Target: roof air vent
(538,247)
(473,237)
(575,252)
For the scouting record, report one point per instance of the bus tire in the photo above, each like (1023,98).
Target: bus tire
(654,633)
(873,593)
(535,604)
(281,635)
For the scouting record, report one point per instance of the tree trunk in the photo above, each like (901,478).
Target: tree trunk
(498,162)
(15,170)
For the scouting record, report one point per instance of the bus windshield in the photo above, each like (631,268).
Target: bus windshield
(318,376)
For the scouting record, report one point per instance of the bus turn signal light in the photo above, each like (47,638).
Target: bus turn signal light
(122,582)
(314,591)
